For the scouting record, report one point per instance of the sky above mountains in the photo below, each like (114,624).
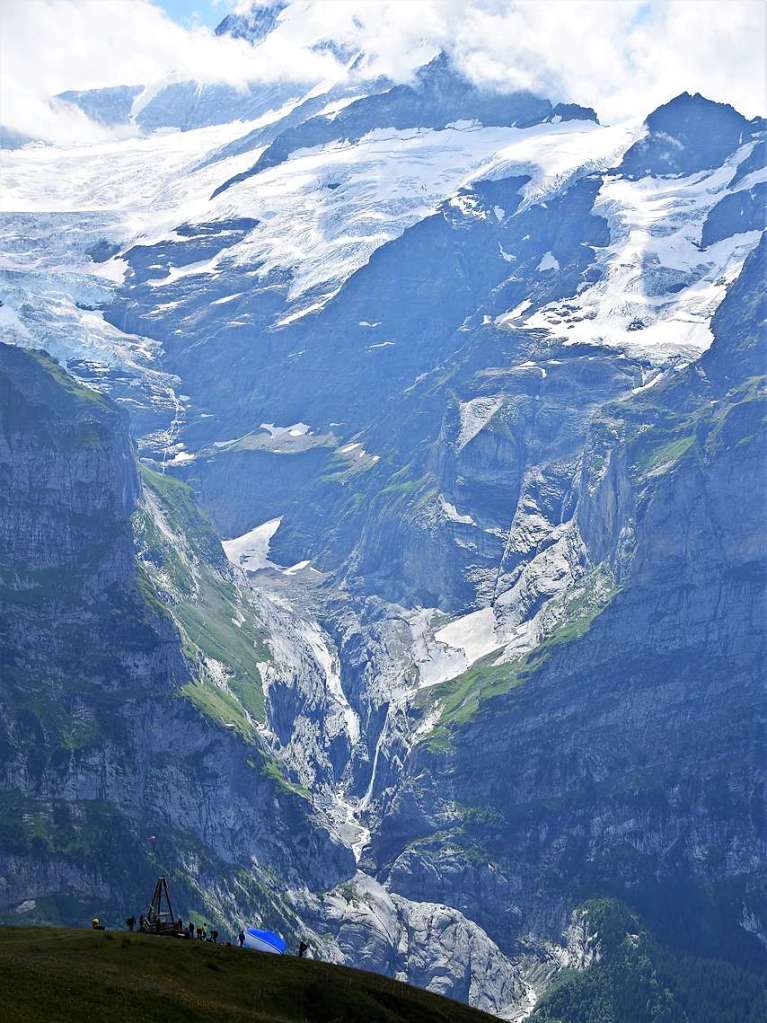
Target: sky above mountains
(623,58)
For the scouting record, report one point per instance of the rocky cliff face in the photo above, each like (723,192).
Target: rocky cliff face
(608,764)
(109,773)
(476,408)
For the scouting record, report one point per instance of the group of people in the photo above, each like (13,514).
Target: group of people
(191,931)
(199,933)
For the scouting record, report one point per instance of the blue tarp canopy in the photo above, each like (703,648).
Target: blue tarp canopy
(264,941)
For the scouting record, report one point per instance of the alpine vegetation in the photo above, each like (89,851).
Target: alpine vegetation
(382,504)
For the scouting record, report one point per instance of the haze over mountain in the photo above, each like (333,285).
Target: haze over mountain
(382,535)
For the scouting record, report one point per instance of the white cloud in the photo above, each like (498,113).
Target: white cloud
(49,46)
(623,58)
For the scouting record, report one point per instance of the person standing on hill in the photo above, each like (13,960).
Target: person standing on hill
(130,923)
(241,939)
(303,948)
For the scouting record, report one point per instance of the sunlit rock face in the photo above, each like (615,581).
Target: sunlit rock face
(469,386)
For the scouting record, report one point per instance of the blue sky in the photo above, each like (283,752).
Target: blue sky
(195,12)
(210,12)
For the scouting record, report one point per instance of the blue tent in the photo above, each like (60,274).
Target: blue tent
(264,941)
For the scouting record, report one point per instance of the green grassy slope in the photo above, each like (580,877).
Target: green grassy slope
(56,975)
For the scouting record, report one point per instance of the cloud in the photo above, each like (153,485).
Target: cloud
(49,46)
(624,58)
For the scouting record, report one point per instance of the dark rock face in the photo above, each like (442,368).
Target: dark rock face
(98,752)
(308,106)
(198,242)
(63,446)
(745,210)
(688,134)
(573,111)
(739,325)
(756,160)
(602,772)
(253,26)
(631,975)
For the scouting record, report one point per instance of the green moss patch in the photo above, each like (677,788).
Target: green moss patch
(185,572)
(460,699)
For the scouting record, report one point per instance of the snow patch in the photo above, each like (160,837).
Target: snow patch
(250,552)
(474,634)
(295,430)
(475,415)
(532,365)
(181,458)
(298,567)
(548,262)
(514,313)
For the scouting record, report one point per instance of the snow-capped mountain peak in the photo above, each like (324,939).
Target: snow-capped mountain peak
(252,24)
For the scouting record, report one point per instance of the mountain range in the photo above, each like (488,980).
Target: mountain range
(382,547)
